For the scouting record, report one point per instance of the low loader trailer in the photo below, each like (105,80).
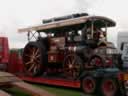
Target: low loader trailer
(72,51)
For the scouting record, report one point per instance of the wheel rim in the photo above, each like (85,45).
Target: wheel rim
(89,85)
(32,59)
(96,61)
(72,66)
(109,87)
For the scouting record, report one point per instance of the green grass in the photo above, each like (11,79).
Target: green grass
(16,92)
(58,91)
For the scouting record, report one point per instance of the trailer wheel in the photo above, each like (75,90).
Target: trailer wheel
(109,87)
(72,66)
(34,57)
(88,85)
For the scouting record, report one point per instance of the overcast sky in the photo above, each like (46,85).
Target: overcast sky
(16,14)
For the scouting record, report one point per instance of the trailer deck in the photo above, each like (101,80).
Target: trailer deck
(52,81)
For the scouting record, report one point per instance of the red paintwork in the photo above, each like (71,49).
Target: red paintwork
(4,50)
(15,63)
(51,81)
(55,57)
(16,67)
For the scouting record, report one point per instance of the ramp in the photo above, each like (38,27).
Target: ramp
(31,89)
(7,79)
(3,93)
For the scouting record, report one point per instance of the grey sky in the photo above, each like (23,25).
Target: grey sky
(16,14)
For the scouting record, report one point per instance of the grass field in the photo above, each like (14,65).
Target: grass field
(58,91)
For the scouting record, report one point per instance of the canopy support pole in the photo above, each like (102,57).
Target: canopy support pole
(106,31)
(92,29)
(28,36)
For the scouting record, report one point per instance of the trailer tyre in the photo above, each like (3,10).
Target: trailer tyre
(109,87)
(34,58)
(88,85)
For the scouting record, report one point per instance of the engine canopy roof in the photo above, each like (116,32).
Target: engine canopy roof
(71,24)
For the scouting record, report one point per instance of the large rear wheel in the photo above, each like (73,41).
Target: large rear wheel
(34,57)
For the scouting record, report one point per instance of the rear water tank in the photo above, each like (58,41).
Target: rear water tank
(64,17)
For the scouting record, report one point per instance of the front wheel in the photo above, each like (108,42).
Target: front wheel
(72,66)
(96,61)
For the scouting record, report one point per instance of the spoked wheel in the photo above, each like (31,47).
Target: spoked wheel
(88,85)
(72,66)
(32,58)
(109,87)
(96,61)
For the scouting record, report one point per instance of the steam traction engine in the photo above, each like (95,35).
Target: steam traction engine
(75,47)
